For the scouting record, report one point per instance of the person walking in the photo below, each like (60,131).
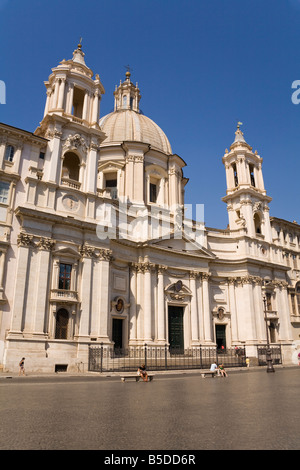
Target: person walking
(22,366)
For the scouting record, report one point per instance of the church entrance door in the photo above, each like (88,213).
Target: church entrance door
(221,336)
(117,333)
(176,329)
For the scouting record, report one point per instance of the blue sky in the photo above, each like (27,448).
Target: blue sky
(201,66)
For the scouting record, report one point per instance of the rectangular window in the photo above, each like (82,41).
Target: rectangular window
(111,183)
(294,261)
(42,155)
(235,176)
(64,276)
(9,153)
(78,98)
(153,192)
(293,304)
(4,191)
(298,303)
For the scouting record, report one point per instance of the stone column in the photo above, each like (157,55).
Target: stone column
(133,300)
(161,321)
(105,257)
(91,179)
(139,303)
(194,310)
(233,311)
(138,180)
(61,93)
(267,224)
(84,326)
(70,98)
(147,302)
(3,142)
(129,177)
(283,310)
(259,310)
(17,157)
(206,308)
(200,310)
(55,164)
(95,107)
(47,102)
(85,106)
(45,246)
(2,266)
(55,94)
(18,315)
(249,323)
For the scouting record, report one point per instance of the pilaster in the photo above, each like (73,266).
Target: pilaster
(206,308)
(18,314)
(161,319)
(194,310)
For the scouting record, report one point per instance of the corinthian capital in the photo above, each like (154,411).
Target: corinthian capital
(105,255)
(45,243)
(24,239)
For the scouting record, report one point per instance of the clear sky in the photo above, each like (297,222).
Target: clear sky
(201,65)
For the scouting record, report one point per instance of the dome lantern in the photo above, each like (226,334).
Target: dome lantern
(127,95)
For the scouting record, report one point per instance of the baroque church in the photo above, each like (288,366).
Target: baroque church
(95,248)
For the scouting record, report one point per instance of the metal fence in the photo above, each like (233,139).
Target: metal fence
(275,354)
(105,358)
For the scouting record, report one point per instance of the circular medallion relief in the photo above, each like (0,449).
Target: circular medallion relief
(178,286)
(70,202)
(120,305)
(221,313)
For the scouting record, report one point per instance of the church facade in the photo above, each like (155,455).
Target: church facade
(95,247)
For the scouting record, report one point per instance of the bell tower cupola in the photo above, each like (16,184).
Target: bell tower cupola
(246,197)
(71,125)
(73,93)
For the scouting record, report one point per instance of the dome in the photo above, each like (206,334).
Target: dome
(126,124)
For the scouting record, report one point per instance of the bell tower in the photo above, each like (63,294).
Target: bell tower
(246,197)
(73,93)
(71,124)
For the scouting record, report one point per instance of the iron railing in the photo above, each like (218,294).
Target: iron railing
(275,354)
(106,358)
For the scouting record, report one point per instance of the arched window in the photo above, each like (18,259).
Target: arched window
(71,165)
(236,180)
(78,98)
(252,180)
(125,101)
(9,153)
(257,223)
(62,321)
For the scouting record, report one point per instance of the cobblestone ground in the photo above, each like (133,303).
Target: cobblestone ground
(248,410)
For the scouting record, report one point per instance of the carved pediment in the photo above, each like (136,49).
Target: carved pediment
(178,291)
(110,166)
(66,251)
